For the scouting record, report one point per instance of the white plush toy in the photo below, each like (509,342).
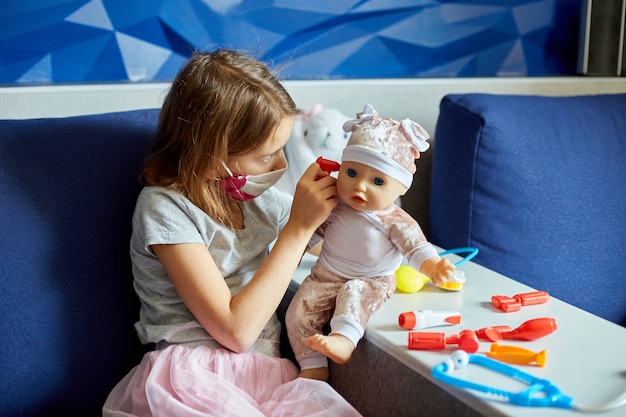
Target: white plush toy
(317,133)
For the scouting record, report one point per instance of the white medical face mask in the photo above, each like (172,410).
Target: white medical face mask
(246,187)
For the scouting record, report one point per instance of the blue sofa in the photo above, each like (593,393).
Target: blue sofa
(538,185)
(68,188)
(67,306)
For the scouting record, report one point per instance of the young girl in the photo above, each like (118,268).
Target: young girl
(199,248)
(365,239)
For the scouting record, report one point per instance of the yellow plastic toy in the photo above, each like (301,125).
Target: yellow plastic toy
(409,279)
(455,283)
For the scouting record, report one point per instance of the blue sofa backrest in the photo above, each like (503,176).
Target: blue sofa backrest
(539,185)
(67,308)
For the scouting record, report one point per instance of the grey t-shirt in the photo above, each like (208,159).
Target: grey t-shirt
(163,216)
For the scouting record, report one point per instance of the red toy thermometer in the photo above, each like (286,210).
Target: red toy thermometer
(421,319)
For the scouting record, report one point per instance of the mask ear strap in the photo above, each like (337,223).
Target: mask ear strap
(227,169)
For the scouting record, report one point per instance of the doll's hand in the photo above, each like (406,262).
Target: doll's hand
(439,270)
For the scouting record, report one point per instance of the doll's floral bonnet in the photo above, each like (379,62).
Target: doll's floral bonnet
(388,145)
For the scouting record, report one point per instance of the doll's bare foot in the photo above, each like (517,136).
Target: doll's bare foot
(336,347)
(315,373)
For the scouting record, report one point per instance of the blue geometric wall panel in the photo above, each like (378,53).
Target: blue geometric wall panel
(66,41)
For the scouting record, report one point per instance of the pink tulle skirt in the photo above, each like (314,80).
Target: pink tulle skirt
(183,381)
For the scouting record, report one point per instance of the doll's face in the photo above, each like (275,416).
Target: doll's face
(365,188)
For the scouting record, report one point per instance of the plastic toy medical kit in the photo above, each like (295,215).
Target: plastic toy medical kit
(515,303)
(516,355)
(540,392)
(466,340)
(421,319)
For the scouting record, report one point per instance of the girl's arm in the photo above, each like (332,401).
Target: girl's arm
(236,322)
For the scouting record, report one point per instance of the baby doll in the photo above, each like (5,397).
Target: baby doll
(364,242)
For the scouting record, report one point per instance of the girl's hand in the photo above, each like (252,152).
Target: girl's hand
(439,270)
(314,199)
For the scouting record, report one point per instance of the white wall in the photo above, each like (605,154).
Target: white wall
(417,99)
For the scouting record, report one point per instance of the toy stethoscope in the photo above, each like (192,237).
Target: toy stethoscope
(470,251)
(540,392)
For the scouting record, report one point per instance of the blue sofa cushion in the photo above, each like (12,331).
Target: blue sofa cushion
(67,191)
(538,184)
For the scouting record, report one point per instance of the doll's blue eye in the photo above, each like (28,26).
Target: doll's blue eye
(351,172)
(379,181)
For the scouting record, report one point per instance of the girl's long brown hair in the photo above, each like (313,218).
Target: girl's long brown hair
(221,103)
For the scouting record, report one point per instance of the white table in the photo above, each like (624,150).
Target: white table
(586,355)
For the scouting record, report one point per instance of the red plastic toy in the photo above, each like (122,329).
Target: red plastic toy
(493,333)
(466,340)
(529,330)
(327,165)
(515,303)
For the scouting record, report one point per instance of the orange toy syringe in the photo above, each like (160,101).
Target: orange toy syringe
(517,355)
